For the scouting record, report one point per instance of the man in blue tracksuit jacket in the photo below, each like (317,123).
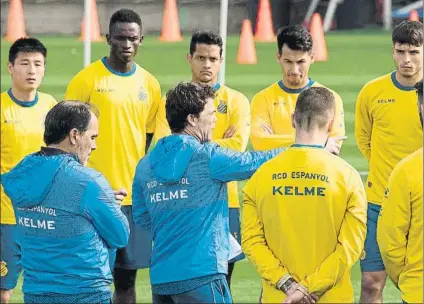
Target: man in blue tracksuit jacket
(180,194)
(67,215)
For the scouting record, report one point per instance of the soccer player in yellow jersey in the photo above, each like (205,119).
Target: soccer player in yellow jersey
(400,227)
(23,110)
(272,107)
(387,129)
(304,213)
(127,97)
(232,115)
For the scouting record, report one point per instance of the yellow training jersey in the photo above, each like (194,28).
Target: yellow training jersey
(232,109)
(273,108)
(128,104)
(22,131)
(304,214)
(400,227)
(387,129)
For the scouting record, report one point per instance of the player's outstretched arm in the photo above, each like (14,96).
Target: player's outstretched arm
(363,125)
(100,206)
(393,224)
(228,165)
(262,135)
(350,242)
(240,122)
(253,238)
(140,214)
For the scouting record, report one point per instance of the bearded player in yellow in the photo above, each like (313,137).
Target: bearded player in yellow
(272,107)
(232,115)
(304,213)
(400,227)
(127,97)
(387,129)
(23,110)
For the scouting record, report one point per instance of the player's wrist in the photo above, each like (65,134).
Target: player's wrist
(285,283)
(302,289)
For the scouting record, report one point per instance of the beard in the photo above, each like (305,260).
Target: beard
(295,81)
(409,73)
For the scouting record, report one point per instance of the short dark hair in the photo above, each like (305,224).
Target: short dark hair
(419,88)
(65,116)
(295,37)
(124,15)
(408,32)
(26,45)
(315,107)
(205,37)
(183,100)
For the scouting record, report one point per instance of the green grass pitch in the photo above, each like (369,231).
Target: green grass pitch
(355,57)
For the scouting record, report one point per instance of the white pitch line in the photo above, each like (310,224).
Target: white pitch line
(363,173)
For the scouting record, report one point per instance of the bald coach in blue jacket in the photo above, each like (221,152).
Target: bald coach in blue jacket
(67,217)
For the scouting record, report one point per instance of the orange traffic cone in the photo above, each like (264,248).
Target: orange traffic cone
(170,23)
(15,21)
(264,28)
(246,52)
(317,33)
(95,35)
(414,16)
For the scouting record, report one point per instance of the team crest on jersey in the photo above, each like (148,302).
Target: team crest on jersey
(222,107)
(3,269)
(363,255)
(142,94)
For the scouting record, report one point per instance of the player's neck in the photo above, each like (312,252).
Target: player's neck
(64,146)
(24,96)
(118,65)
(192,132)
(314,138)
(303,84)
(408,81)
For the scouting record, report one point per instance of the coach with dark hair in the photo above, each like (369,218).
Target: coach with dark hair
(66,213)
(180,194)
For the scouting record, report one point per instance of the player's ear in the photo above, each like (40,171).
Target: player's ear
(330,126)
(191,119)
(9,68)
(141,39)
(312,57)
(189,58)
(293,122)
(393,50)
(73,134)
(278,57)
(108,38)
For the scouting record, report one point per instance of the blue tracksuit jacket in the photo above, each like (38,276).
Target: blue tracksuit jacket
(180,193)
(67,219)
